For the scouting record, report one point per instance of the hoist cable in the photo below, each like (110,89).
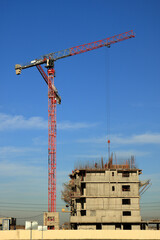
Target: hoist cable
(107,80)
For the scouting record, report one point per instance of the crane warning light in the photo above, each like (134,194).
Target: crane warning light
(18,69)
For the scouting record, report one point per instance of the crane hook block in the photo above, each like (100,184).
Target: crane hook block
(18,69)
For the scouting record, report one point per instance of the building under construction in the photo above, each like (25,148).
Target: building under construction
(105,196)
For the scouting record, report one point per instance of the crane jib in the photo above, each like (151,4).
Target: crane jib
(77,50)
(101,43)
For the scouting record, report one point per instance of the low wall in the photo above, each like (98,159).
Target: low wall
(80,234)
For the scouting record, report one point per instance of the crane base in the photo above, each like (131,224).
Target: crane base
(51,220)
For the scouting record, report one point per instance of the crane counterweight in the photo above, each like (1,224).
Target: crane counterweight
(18,69)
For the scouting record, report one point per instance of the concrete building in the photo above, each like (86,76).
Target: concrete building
(106,196)
(7,223)
(51,220)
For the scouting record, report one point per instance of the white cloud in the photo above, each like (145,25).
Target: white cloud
(11,151)
(40,141)
(8,169)
(127,154)
(146,138)
(8,122)
(72,126)
(15,122)
(93,140)
(18,181)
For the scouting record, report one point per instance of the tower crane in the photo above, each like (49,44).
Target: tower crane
(54,98)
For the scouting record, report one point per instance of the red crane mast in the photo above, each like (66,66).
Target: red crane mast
(54,98)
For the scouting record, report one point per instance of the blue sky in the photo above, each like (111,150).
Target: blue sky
(131,69)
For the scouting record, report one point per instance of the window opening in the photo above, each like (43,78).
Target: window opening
(126,213)
(98,226)
(83,186)
(127,226)
(118,226)
(126,201)
(83,212)
(83,201)
(126,188)
(125,174)
(50,218)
